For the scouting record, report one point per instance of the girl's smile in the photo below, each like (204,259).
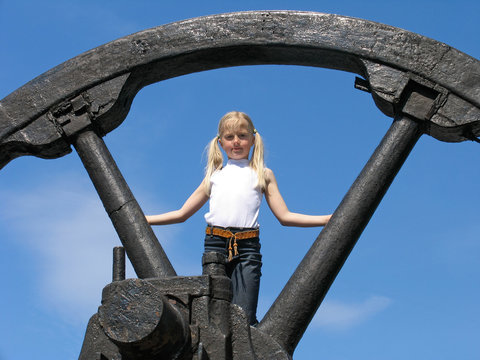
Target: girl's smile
(237,143)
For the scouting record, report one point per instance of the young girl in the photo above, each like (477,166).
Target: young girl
(235,192)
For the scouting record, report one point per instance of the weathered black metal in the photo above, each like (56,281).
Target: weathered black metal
(137,317)
(37,118)
(142,247)
(423,84)
(204,323)
(118,273)
(310,282)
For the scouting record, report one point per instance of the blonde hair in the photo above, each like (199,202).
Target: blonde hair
(229,121)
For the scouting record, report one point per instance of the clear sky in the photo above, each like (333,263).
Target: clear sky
(409,289)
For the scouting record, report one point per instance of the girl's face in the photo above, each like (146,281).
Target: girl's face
(237,142)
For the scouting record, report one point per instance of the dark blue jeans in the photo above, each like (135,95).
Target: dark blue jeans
(244,270)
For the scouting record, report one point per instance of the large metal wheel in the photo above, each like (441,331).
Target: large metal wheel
(427,87)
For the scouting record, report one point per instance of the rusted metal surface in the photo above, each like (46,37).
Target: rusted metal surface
(426,86)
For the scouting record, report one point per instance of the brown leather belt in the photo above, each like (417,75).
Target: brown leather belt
(241,235)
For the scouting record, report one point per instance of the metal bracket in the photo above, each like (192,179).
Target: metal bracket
(72,116)
(420,99)
(362,84)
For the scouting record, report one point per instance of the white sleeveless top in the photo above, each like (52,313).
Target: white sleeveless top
(235,197)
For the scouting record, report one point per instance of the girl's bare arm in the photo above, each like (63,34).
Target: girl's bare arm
(190,207)
(280,210)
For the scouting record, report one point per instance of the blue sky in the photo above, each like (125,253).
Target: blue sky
(410,288)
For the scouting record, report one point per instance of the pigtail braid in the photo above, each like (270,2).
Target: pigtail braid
(214,162)
(257,161)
